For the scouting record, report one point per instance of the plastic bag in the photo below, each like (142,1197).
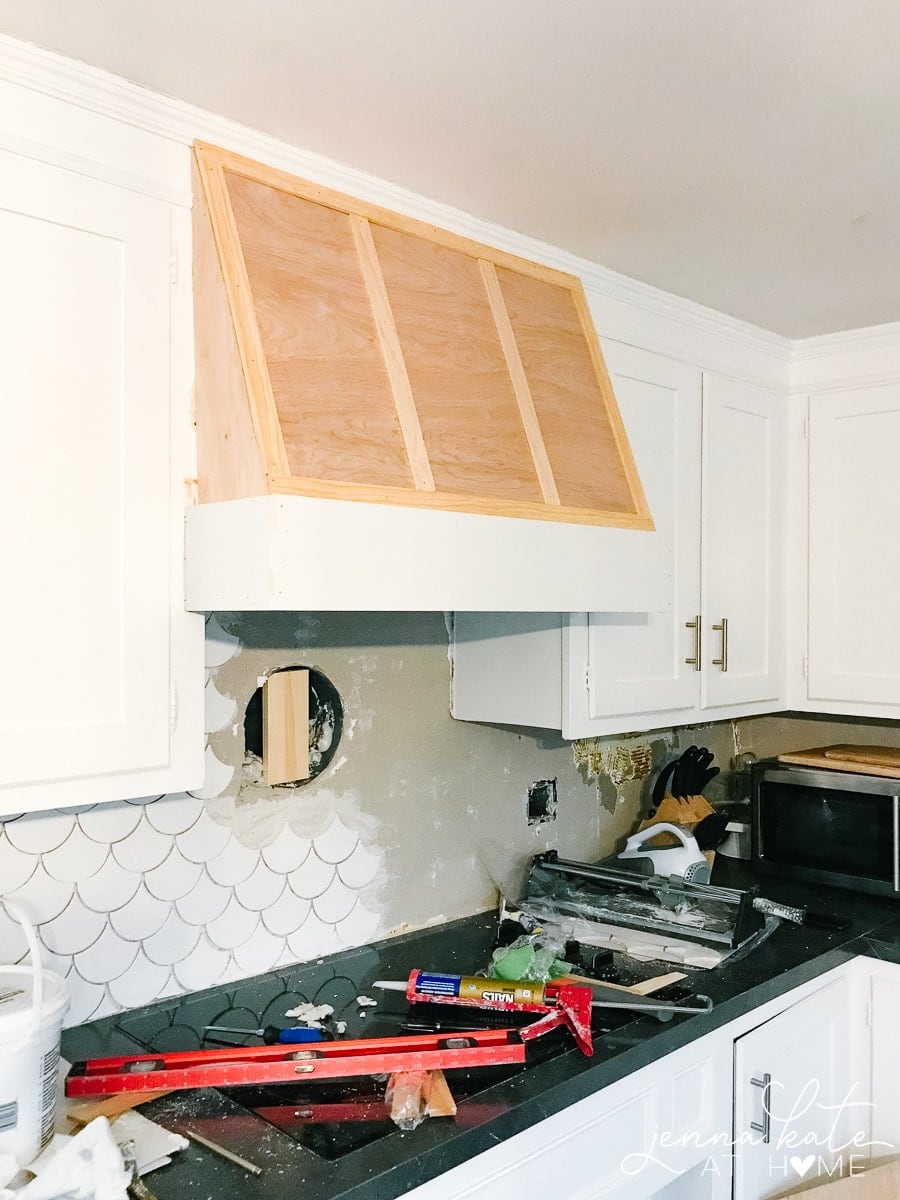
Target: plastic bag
(531,956)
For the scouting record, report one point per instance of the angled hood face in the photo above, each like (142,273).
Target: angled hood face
(354,357)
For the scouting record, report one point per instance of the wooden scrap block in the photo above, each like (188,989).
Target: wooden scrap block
(285,705)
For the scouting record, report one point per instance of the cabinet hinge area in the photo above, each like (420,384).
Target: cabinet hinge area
(805,666)
(588,677)
(173,709)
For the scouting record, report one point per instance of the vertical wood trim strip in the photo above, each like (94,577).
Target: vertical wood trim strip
(263,412)
(641,507)
(519,382)
(401,389)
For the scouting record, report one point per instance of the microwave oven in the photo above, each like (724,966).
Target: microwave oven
(824,826)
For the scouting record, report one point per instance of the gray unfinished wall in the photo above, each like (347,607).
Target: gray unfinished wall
(418,819)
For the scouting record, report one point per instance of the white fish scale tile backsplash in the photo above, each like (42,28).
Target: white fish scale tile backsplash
(124,918)
(153,897)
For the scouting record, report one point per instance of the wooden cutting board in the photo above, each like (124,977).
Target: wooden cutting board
(864,760)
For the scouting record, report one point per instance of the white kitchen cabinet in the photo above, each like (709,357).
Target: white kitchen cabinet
(715,649)
(853,650)
(102,667)
(882,1089)
(691,1125)
(744,492)
(639,1138)
(796,1078)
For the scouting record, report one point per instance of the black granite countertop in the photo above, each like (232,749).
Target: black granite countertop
(387,1162)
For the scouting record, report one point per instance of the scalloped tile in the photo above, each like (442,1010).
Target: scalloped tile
(75,929)
(16,866)
(39,832)
(335,903)
(233,927)
(287,914)
(79,857)
(171,987)
(143,849)
(141,983)
(233,865)
(288,852)
(337,843)
(217,777)
(204,840)
(232,973)
(360,868)
(313,939)
(84,999)
(287,958)
(108,958)
(107,1006)
(218,710)
(204,968)
(13,946)
(143,801)
(175,813)
(43,896)
(110,822)
(108,890)
(220,646)
(143,915)
(259,953)
(312,878)
(261,889)
(173,942)
(360,928)
(206,901)
(60,964)
(174,877)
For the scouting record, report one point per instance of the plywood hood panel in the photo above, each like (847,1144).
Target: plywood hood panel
(385,361)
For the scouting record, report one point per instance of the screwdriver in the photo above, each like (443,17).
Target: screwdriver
(272,1034)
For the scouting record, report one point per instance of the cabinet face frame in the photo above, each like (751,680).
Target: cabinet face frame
(508,322)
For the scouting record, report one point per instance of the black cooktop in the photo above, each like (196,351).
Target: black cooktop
(332,1119)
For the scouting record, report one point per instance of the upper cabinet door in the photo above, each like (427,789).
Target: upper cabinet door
(637,662)
(854,551)
(84,480)
(744,495)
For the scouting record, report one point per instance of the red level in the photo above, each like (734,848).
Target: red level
(247,1066)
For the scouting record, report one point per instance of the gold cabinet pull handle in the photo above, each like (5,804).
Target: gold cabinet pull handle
(723,629)
(696,662)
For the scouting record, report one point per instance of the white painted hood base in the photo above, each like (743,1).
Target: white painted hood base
(304,553)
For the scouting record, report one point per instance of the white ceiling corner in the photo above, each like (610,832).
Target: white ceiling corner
(741,155)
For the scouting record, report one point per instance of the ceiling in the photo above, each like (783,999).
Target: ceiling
(742,153)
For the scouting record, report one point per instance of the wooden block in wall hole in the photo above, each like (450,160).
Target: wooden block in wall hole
(286,726)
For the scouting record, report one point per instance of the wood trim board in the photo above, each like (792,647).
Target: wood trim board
(427,398)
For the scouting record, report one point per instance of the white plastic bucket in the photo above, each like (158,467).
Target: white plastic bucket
(33,1003)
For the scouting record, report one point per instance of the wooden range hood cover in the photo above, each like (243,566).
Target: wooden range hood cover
(348,352)
(390,416)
